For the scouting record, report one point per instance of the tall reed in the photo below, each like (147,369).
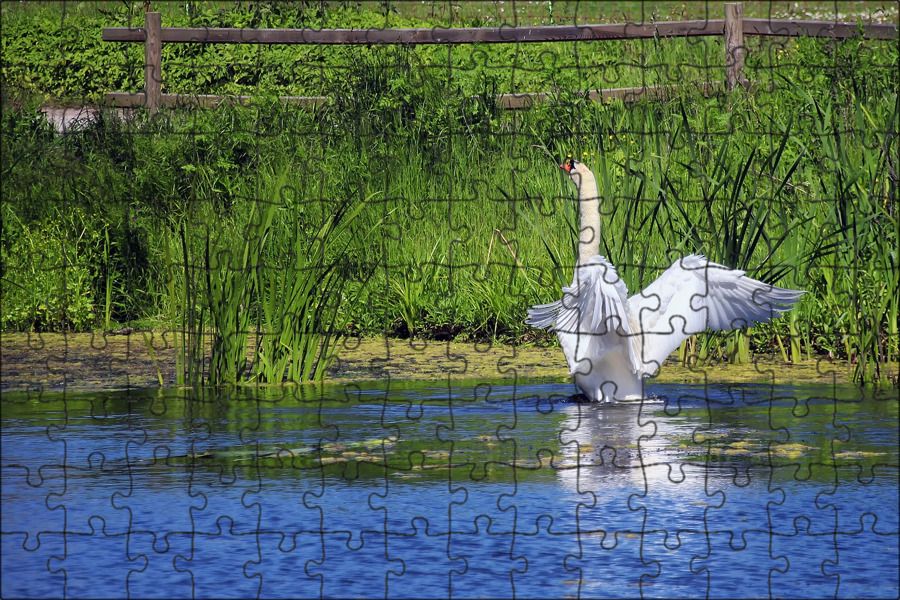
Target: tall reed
(302,282)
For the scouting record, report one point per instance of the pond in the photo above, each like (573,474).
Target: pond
(462,489)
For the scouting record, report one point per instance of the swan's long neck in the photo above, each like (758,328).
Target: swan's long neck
(589,204)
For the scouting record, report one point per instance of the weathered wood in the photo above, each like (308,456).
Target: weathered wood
(436,35)
(768,27)
(153,59)
(126,99)
(734,45)
(474,35)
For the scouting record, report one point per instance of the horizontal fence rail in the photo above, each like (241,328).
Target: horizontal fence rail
(500,35)
(827,29)
(436,35)
(734,27)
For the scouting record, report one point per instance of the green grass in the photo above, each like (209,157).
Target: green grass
(402,210)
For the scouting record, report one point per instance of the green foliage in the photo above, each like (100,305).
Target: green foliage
(302,287)
(59,55)
(53,58)
(47,275)
(416,207)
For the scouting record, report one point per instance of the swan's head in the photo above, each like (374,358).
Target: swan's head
(569,165)
(576,169)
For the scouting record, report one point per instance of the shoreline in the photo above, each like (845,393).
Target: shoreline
(84,362)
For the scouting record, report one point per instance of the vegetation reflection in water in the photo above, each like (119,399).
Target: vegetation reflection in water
(701,461)
(486,427)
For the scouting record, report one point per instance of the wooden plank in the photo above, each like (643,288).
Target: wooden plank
(474,35)
(126,99)
(437,35)
(734,44)
(773,27)
(124,34)
(153,59)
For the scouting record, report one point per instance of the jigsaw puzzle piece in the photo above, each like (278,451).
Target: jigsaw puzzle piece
(344,553)
(37,554)
(610,562)
(483,434)
(744,491)
(289,565)
(675,493)
(545,547)
(867,560)
(470,576)
(222,563)
(854,500)
(807,554)
(153,574)
(426,563)
(737,567)
(83,551)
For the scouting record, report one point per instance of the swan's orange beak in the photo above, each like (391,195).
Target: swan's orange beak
(566,166)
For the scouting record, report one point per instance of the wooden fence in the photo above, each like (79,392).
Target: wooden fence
(733,27)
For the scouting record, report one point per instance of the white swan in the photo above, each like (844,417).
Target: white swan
(612,342)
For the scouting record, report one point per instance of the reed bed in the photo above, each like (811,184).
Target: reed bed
(413,206)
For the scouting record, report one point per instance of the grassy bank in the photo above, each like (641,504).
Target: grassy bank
(406,208)
(77,362)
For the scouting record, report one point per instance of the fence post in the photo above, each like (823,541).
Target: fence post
(153,60)
(734,45)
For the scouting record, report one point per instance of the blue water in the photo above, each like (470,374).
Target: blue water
(728,491)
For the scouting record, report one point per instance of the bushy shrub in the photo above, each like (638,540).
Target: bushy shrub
(47,274)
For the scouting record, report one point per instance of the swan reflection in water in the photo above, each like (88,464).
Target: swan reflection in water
(629,444)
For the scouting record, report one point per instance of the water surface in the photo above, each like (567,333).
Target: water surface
(460,489)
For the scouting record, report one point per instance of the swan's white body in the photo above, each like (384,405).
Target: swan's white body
(612,342)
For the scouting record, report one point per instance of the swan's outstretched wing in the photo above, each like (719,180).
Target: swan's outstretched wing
(593,317)
(694,295)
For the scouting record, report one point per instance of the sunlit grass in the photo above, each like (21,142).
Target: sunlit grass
(409,209)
